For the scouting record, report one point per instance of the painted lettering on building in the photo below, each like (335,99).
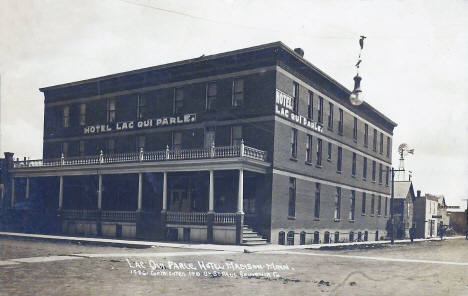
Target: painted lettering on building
(284,108)
(139,124)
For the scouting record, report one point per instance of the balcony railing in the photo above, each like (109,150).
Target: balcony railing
(186,217)
(225,218)
(142,156)
(79,214)
(119,215)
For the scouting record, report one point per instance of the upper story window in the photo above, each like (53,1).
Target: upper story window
(319,152)
(111,110)
(388,146)
(292,197)
(81,148)
(140,142)
(338,203)
(141,106)
(373,170)
(211,95)
(386,176)
(110,146)
(176,140)
(355,130)
(296,97)
(310,107)
(372,207)
(363,208)
(65,149)
(317,201)
(82,119)
(320,111)
(352,204)
(309,149)
(178,100)
(374,143)
(379,206)
(364,169)
(329,154)
(380,173)
(381,143)
(386,206)
(339,159)
(66,116)
(294,143)
(330,116)
(353,169)
(340,122)
(366,134)
(238,92)
(236,135)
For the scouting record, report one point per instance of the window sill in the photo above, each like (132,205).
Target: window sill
(318,166)
(365,146)
(372,215)
(381,153)
(379,215)
(364,179)
(330,129)
(291,217)
(340,133)
(329,159)
(316,219)
(353,176)
(363,214)
(355,140)
(293,159)
(337,220)
(338,172)
(375,150)
(308,163)
(386,185)
(380,183)
(373,181)
(351,221)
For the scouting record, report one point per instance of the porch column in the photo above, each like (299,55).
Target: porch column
(61,193)
(140,190)
(211,193)
(240,209)
(27,187)
(12,191)
(210,215)
(99,205)
(164,207)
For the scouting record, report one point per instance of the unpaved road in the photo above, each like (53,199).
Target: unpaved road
(44,268)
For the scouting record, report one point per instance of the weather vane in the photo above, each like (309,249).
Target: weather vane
(356,98)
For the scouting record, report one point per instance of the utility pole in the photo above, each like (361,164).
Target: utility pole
(392,197)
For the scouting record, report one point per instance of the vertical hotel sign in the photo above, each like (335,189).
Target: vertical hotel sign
(284,108)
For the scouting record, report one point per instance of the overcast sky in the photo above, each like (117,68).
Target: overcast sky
(414,68)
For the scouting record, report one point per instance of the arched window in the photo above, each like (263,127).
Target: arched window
(351,236)
(291,238)
(366,236)
(281,238)
(326,237)
(303,238)
(316,237)
(337,237)
(377,235)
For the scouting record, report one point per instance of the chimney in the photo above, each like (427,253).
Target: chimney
(299,51)
(419,193)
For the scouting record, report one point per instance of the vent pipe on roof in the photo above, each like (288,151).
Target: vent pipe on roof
(419,193)
(299,51)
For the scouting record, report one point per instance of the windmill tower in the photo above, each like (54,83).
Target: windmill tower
(404,150)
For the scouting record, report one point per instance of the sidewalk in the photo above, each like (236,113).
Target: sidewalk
(211,247)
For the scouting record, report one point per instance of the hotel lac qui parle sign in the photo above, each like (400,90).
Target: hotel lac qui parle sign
(139,124)
(284,108)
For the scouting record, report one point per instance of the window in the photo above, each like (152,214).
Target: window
(388,146)
(316,237)
(236,135)
(329,154)
(66,116)
(81,148)
(339,158)
(82,119)
(355,130)
(363,209)
(238,92)
(302,238)
(337,203)
(386,176)
(340,122)
(353,169)
(178,100)
(317,201)
(65,149)
(386,206)
(351,236)
(176,140)
(381,143)
(296,97)
(211,93)
(291,238)
(326,237)
(294,143)
(292,198)
(319,152)
(373,170)
(309,149)
(372,205)
(110,146)
(366,134)
(380,173)
(140,142)
(320,111)
(281,235)
(111,110)
(352,203)
(337,237)
(330,116)
(374,144)
(141,106)
(379,206)
(364,169)
(310,107)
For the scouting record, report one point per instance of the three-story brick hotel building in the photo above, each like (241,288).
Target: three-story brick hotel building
(240,147)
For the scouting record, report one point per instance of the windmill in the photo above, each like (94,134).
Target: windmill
(404,150)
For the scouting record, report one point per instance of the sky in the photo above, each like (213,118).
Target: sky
(414,62)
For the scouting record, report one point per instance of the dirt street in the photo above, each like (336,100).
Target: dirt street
(44,268)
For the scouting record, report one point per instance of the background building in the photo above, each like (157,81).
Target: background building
(426,215)
(403,208)
(197,150)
